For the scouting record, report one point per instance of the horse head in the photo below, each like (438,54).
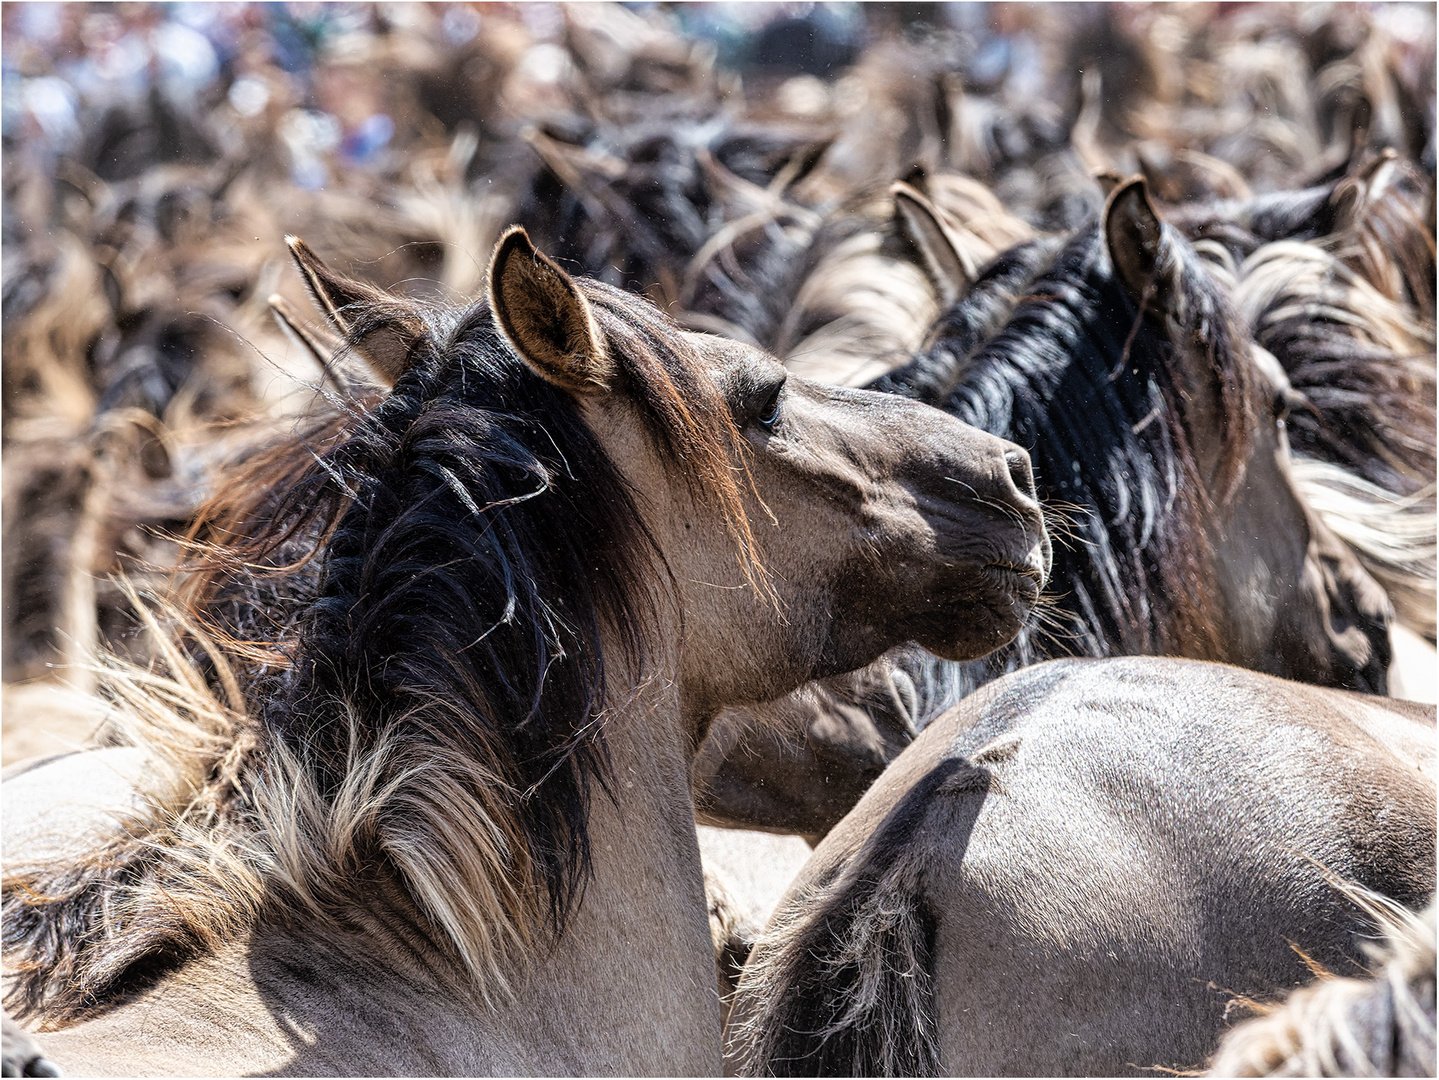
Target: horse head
(861,518)
(1297,601)
(1116,356)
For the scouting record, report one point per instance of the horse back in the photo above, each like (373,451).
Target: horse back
(1099,854)
(58,803)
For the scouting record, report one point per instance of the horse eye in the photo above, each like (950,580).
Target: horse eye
(768,414)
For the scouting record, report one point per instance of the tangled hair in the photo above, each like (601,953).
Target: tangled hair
(1393,535)
(175,875)
(842,982)
(846,297)
(841,297)
(1364,444)
(860,301)
(1389,241)
(396,679)
(1049,349)
(1380,1026)
(1364,363)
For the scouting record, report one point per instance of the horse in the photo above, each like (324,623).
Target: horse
(1084,866)
(1183,458)
(1115,357)
(797,765)
(407,789)
(1336,282)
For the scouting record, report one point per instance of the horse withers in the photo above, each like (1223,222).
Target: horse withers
(421,730)
(1085,867)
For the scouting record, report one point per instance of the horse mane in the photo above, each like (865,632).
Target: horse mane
(843,296)
(1364,362)
(1390,240)
(1392,535)
(1374,220)
(861,301)
(858,296)
(364,695)
(1364,445)
(1049,350)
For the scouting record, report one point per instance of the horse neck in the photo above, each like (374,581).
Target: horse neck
(936,374)
(628,987)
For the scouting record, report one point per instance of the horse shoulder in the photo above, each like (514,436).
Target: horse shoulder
(55,805)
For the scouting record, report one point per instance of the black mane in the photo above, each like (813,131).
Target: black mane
(1048,349)
(408,616)
(478,539)
(472,545)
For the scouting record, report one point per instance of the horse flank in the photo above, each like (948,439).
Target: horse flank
(1379,1026)
(873,1013)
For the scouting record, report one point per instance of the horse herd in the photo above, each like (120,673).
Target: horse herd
(489,618)
(1050,583)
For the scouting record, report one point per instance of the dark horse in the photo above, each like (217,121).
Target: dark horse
(415,797)
(1158,434)
(1117,359)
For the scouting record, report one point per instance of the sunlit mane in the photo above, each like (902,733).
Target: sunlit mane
(395,667)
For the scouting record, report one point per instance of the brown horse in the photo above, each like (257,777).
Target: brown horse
(413,795)
(1077,869)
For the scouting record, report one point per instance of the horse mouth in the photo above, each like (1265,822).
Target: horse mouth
(987,610)
(1025,580)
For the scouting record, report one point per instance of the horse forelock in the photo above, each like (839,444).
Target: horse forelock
(685,414)
(422,598)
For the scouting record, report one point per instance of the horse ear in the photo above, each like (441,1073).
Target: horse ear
(344,301)
(320,346)
(545,317)
(942,256)
(1133,234)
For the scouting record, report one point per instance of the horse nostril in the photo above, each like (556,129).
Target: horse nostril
(1020,472)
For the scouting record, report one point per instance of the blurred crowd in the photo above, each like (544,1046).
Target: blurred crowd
(155,155)
(322,77)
